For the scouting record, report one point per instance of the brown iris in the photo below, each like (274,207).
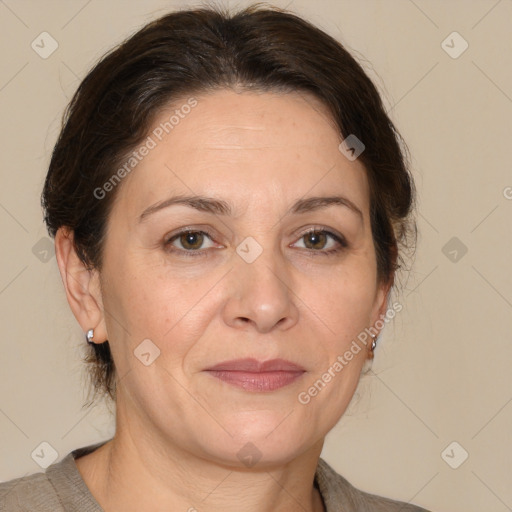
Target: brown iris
(192,240)
(315,240)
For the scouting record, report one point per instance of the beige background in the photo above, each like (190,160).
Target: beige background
(442,369)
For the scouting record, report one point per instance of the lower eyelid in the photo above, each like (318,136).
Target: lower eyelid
(169,241)
(338,239)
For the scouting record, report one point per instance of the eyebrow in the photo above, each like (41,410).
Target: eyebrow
(220,207)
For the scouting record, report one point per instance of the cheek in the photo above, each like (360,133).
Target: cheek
(174,308)
(160,304)
(342,300)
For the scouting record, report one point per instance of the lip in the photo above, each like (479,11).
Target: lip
(255,366)
(254,375)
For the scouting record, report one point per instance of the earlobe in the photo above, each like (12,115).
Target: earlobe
(81,286)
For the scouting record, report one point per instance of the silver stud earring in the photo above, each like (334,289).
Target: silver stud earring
(90,336)
(374,342)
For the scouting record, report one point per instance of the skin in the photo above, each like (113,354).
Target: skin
(178,429)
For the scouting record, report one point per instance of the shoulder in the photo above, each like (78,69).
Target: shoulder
(339,494)
(33,492)
(59,489)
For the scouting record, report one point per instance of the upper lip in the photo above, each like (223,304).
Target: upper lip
(255,366)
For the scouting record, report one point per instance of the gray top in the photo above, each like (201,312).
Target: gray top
(62,489)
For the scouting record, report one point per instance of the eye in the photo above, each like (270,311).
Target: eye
(317,241)
(322,241)
(190,241)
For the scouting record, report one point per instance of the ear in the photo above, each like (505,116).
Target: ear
(381,301)
(82,286)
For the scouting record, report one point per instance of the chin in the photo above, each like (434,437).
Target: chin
(259,442)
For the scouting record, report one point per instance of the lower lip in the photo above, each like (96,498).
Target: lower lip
(257,381)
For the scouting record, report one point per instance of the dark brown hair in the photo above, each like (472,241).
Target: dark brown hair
(200,50)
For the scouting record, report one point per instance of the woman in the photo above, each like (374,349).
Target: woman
(228,199)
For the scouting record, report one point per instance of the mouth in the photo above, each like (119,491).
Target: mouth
(258,376)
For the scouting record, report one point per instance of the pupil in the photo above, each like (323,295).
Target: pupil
(315,238)
(192,240)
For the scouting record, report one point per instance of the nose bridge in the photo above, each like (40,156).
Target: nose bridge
(262,265)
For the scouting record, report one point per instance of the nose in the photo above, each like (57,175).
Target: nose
(260,295)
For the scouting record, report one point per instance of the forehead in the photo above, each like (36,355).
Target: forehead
(244,147)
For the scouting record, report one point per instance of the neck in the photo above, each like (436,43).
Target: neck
(133,472)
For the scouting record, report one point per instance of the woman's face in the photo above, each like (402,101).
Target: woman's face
(248,282)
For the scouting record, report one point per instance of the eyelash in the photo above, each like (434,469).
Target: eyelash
(318,230)
(343,245)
